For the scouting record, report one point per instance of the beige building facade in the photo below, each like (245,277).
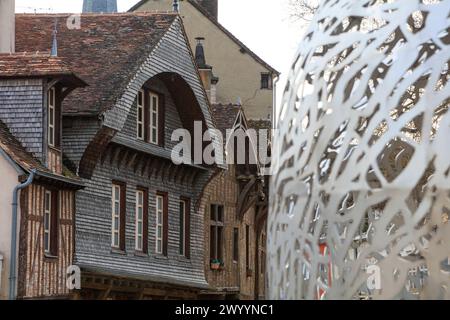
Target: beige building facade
(243,77)
(10,179)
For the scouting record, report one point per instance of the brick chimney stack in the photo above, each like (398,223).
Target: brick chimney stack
(7,26)
(212,6)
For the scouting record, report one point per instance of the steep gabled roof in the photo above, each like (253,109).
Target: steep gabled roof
(106,51)
(247,50)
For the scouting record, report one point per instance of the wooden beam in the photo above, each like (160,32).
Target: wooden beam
(122,156)
(115,153)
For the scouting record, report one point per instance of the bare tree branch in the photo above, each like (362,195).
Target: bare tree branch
(303,9)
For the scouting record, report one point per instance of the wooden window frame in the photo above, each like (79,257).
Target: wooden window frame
(164,237)
(142,246)
(217,227)
(120,231)
(140,124)
(51,213)
(185,227)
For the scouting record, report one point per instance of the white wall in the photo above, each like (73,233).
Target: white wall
(9,179)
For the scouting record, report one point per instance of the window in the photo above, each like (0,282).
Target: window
(140,116)
(235,244)
(266,82)
(161,223)
(184,245)
(150,117)
(141,228)
(52,117)
(216,232)
(154,118)
(51,223)
(118,216)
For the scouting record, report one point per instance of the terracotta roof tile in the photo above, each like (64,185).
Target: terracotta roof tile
(32,65)
(106,51)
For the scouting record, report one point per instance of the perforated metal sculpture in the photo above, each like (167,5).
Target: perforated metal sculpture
(360,197)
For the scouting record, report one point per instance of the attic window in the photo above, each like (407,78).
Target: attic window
(150,117)
(266,82)
(52,117)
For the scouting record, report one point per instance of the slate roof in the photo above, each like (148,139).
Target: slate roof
(106,51)
(246,49)
(14,149)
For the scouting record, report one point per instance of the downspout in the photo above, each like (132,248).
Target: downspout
(274,108)
(12,264)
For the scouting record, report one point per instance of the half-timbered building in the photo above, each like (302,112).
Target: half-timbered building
(235,204)
(38,192)
(139,223)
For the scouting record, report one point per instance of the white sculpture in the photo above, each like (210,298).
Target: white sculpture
(360,198)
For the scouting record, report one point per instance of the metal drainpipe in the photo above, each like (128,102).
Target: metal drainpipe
(274,108)
(12,263)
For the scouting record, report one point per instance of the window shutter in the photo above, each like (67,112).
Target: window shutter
(123,210)
(54,224)
(161,120)
(165,224)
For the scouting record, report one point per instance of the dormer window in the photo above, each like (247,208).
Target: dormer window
(150,117)
(52,117)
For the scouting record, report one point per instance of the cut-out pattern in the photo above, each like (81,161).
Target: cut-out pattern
(360,196)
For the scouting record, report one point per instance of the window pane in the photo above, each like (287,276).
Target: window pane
(140,98)
(213,212)
(159,246)
(220,213)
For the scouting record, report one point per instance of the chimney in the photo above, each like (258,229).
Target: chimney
(7,26)
(99,6)
(206,73)
(211,6)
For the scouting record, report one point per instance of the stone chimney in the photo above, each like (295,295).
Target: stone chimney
(7,26)
(99,6)
(212,6)
(205,70)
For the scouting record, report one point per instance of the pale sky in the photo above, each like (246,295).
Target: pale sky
(263,25)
